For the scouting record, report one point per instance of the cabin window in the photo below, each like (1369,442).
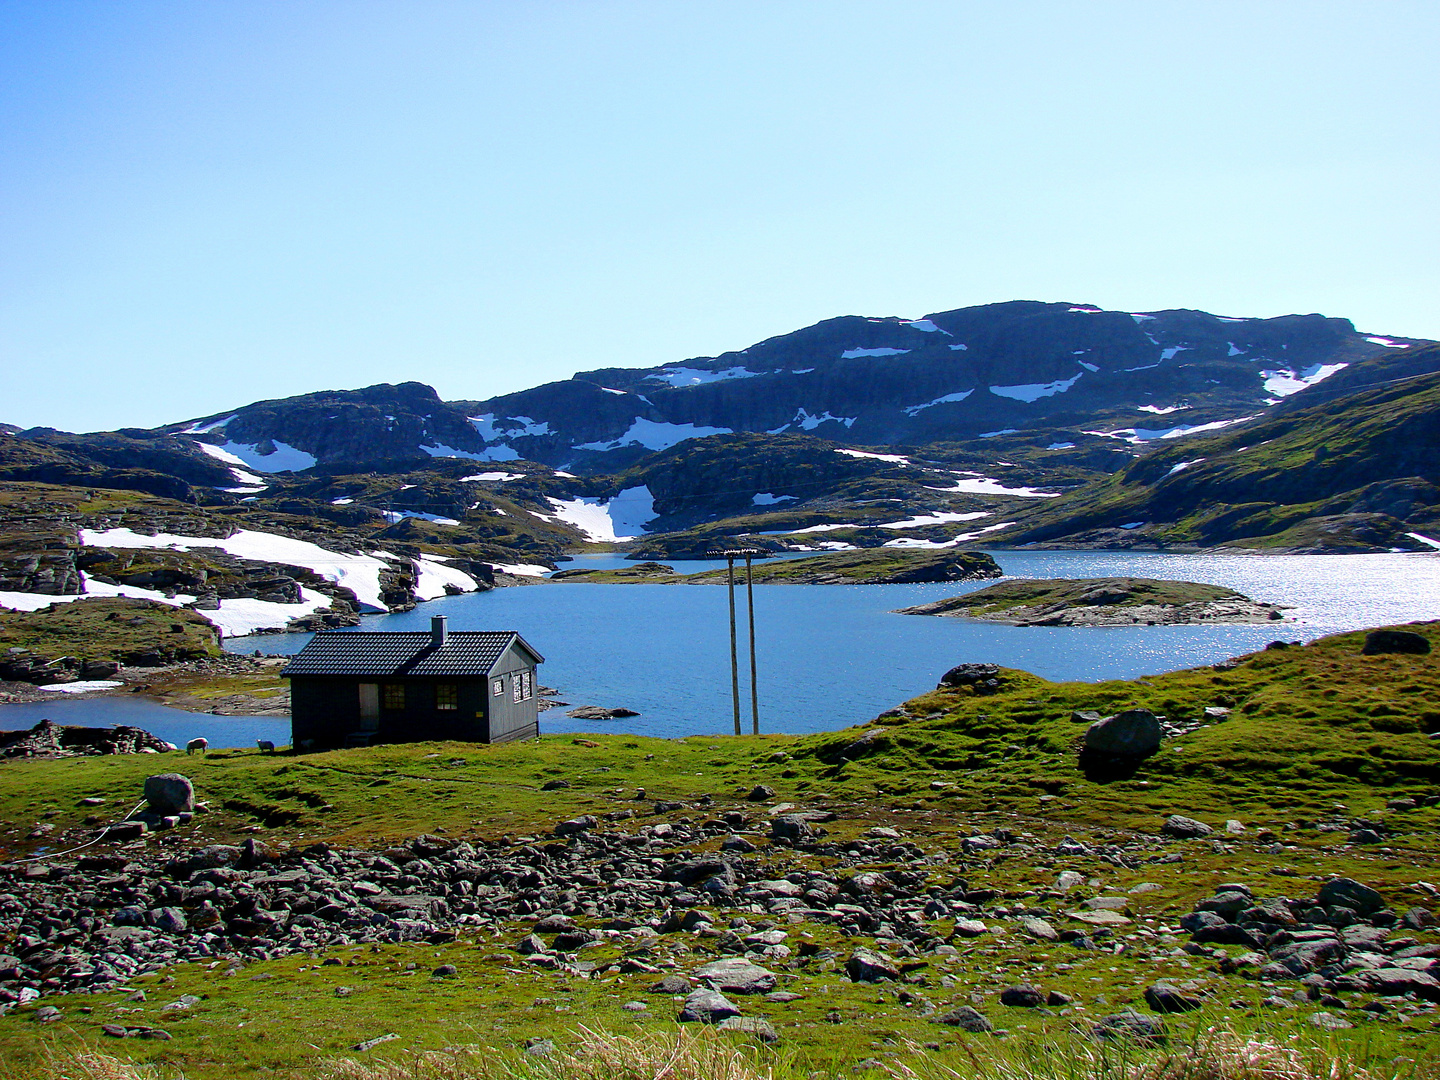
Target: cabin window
(447,696)
(524,685)
(497,687)
(393,695)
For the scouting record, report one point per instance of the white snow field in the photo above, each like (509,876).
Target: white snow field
(359,573)
(911,410)
(622,517)
(938,517)
(975,484)
(1138,435)
(282,459)
(1031,392)
(855,354)
(435,575)
(683,376)
(654,435)
(1283,382)
(495,477)
(769,498)
(894,459)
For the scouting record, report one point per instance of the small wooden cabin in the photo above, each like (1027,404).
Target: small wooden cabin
(359,688)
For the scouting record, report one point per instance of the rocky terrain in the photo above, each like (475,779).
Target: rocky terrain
(1102,602)
(888,566)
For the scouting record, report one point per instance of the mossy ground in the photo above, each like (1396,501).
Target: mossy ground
(107,628)
(1311,729)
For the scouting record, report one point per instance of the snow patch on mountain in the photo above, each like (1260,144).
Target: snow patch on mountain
(938,517)
(500,452)
(1159,410)
(1031,392)
(436,575)
(683,376)
(894,459)
(926,326)
(1139,435)
(622,517)
(975,484)
(1284,382)
(1183,465)
(394,516)
(769,498)
(201,427)
(1387,343)
(855,354)
(281,458)
(496,477)
(358,573)
(806,422)
(911,410)
(496,429)
(655,435)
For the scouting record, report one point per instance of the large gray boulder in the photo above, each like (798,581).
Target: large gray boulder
(1184,828)
(1379,642)
(1347,892)
(738,976)
(1134,733)
(169,793)
(707,1007)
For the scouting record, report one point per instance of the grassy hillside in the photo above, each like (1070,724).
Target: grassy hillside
(1352,473)
(1318,740)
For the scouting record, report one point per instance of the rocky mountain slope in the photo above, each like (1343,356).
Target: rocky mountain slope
(1358,471)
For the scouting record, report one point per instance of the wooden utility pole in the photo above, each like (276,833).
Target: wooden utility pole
(750,610)
(730,556)
(734,660)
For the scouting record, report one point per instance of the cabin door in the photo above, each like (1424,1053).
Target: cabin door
(369,706)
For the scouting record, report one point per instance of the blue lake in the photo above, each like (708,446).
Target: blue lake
(831,656)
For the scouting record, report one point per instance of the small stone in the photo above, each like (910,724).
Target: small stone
(757,1026)
(169,793)
(1329,1021)
(634,1006)
(538,1047)
(966,1019)
(1164,998)
(445,971)
(1039,929)
(970,928)
(1068,880)
(1130,1025)
(47,1014)
(1023,996)
(761,792)
(866,966)
(1184,828)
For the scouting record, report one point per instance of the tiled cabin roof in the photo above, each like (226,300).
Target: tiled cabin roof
(465,652)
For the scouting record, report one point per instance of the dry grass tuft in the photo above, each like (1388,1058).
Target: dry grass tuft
(687,1054)
(93,1065)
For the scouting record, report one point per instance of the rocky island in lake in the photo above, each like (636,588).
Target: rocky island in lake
(1121,601)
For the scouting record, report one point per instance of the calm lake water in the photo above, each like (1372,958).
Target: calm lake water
(831,656)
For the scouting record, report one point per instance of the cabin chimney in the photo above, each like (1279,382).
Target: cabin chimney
(438,631)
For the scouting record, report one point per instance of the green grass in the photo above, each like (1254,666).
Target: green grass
(1309,728)
(110,628)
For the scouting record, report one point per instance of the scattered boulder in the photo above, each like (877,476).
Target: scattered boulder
(757,1026)
(1164,998)
(1347,892)
(738,976)
(981,678)
(595,712)
(1184,828)
(1379,642)
(1023,996)
(966,1019)
(1134,733)
(1130,1025)
(706,1006)
(169,793)
(866,966)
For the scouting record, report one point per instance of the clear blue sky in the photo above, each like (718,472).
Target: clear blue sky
(202,204)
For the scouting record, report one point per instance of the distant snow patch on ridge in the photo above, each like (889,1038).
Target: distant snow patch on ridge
(501,452)
(493,429)
(282,458)
(963,538)
(1424,539)
(201,427)
(1158,411)
(654,435)
(1140,316)
(234,462)
(1233,350)
(855,354)
(622,393)
(939,517)
(809,423)
(958,348)
(394,516)
(497,477)
(623,517)
(1001,431)
(358,573)
(927,326)
(1139,435)
(1284,382)
(767,498)
(894,459)
(683,376)
(1061,446)
(1389,345)
(1183,465)
(1030,392)
(974,484)
(911,410)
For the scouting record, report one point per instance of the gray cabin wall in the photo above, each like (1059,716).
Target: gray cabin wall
(511,719)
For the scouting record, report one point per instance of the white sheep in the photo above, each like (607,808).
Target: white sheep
(196,744)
